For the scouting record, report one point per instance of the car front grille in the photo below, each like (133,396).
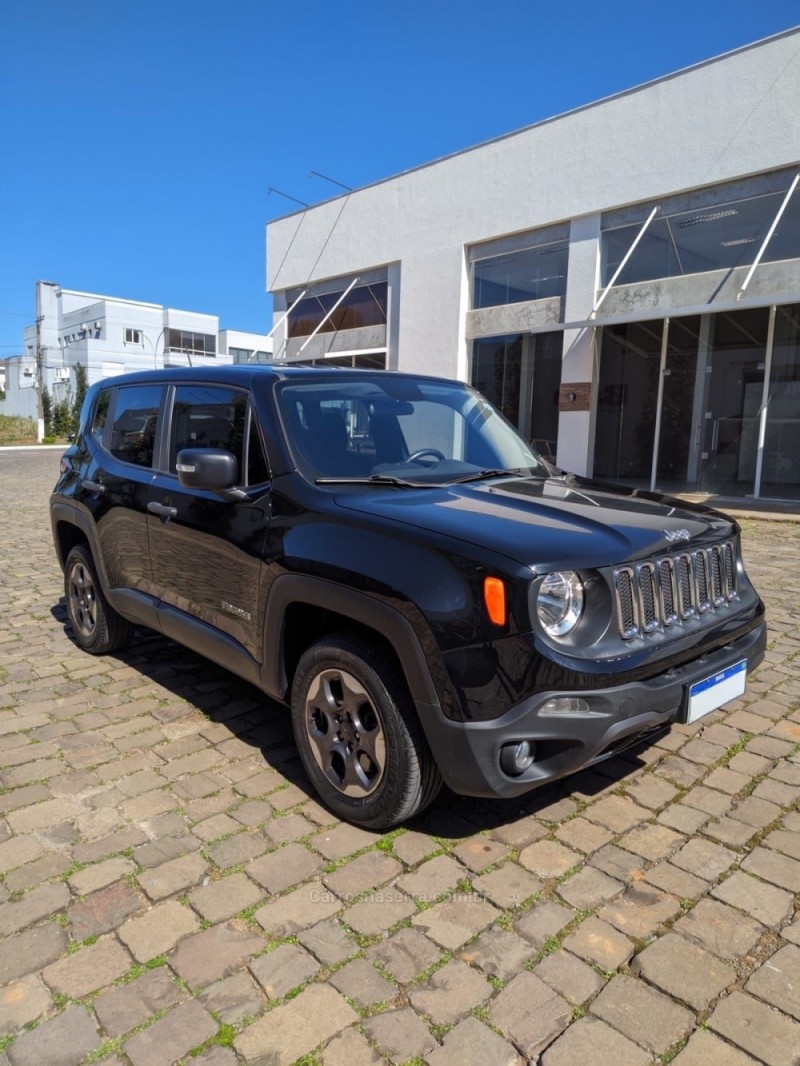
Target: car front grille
(672,589)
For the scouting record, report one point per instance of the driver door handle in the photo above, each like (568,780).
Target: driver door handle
(163,510)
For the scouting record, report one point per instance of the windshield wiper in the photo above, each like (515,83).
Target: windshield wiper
(479,475)
(376,479)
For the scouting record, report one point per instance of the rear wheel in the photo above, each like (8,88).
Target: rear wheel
(358,733)
(96,626)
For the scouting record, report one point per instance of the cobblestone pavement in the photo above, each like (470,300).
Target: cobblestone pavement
(171,892)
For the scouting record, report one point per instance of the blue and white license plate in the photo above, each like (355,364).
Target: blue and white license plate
(705,696)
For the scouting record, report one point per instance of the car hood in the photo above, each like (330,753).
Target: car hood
(557,522)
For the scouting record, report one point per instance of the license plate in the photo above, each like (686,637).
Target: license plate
(705,696)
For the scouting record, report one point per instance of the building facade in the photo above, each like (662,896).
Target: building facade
(108,336)
(623,281)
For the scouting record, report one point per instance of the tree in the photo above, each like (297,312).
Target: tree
(81,385)
(47,412)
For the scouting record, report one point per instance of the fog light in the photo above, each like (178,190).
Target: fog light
(564,706)
(516,758)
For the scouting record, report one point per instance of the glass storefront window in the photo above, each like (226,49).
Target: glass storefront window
(531,274)
(496,372)
(719,237)
(365,305)
(780,474)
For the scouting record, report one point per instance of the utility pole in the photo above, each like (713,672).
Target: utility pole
(39,369)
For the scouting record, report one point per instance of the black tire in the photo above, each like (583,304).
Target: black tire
(358,734)
(96,626)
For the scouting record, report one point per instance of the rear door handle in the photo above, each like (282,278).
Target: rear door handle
(93,486)
(163,510)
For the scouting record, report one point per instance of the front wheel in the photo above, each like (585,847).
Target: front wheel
(358,734)
(96,626)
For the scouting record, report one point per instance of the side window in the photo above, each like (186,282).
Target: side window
(101,414)
(133,432)
(257,469)
(208,416)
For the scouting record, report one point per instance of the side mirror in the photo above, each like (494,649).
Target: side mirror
(212,469)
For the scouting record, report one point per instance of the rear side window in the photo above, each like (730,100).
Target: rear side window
(208,416)
(133,433)
(101,414)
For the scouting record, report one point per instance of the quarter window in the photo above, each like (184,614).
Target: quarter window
(101,413)
(133,433)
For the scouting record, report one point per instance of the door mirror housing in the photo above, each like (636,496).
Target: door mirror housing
(212,469)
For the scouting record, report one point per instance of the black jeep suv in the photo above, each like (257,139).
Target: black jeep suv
(383,553)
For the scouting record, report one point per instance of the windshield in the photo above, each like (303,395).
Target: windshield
(400,428)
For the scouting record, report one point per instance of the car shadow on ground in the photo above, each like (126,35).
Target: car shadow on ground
(264,724)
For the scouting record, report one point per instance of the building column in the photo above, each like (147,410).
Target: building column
(578,384)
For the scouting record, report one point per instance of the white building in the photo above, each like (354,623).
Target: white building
(623,281)
(110,336)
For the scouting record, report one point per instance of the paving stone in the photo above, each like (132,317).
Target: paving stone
(87,970)
(453,922)
(548,858)
(31,951)
(777,981)
(161,851)
(677,882)
(569,976)
(704,859)
(684,819)
(100,875)
(643,1015)
(93,851)
(23,1001)
(519,833)
(213,1056)
(328,942)
(253,813)
(412,847)
(61,1041)
(405,955)
(471,1043)
(223,898)
(705,1049)
(775,792)
(723,930)
(432,879)
(681,772)
(350,1048)
(361,982)
(651,791)
(343,840)
(583,835)
(296,1027)
(207,956)
(653,842)
(283,969)
(367,871)
(158,930)
(543,921)
(51,865)
(171,1037)
(763,901)
(708,800)
(530,1014)
(238,849)
(617,862)
(640,911)
(792,932)
(779,839)
(600,943)
(730,831)
(758,813)
(400,1034)
(747,762)
(684,970)
(298,909)
(379,912)
(508,886)
(589,888)
(122,1009)
(778,869)
(498,953)
(480,852)
(284,868)
(591,1041)
(37,904)
(765,1034)
(617,813)
(19,850)
(451,992)
(173,877)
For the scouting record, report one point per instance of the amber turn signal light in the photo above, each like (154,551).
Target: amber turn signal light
(494,596)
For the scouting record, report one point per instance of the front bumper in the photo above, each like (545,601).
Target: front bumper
(468,753)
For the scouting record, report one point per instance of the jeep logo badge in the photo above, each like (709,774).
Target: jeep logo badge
(671,535)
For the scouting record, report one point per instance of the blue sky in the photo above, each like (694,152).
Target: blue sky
(139,138)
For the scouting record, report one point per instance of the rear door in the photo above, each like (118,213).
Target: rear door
(205,550)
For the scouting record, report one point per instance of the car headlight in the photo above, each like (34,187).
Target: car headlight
(559,602)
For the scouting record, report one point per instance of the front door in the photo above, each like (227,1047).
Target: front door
(206,551)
